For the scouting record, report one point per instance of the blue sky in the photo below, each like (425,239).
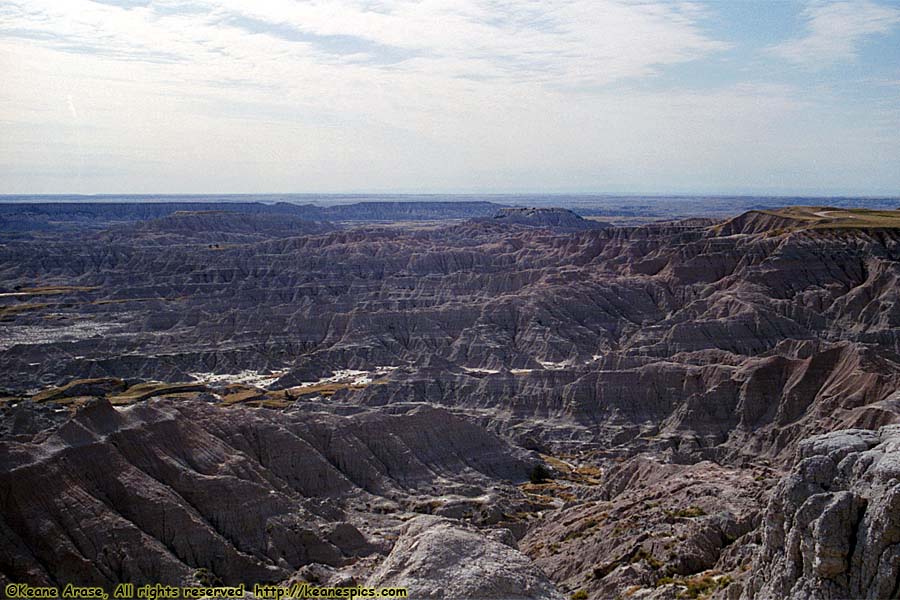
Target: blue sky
(236,96)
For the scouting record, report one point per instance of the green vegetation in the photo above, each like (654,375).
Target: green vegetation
(539,474)
(8,311)
(697,587)
(99,386)
(584,528)
(648,558)
(580,595)
(686,513)
(142,391)
(823,217)
(54,289)
(321,389)
(236,394)
(206,578)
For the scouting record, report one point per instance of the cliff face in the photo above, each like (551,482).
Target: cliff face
(759,407)
(264,397)
(832,527)
(162,489)
(440,558)
(742,339)
(560,219)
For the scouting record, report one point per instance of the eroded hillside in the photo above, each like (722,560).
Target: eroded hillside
(277,380)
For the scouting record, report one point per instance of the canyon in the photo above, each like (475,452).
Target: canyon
(471,400)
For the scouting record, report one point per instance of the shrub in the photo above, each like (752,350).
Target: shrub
(698,586)
(539,474)
(580,595)
(643,555)
(704,585)
(206,578)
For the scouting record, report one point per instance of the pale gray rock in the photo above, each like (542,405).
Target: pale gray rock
(708,352)
(651,523)
(832,528)
(443,559)
(158,490)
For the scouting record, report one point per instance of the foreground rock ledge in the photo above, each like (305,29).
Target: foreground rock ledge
(832,527)
(440,558)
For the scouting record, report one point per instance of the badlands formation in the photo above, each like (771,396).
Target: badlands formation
(470,401)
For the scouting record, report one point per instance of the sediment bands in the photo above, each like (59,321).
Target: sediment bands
(267,395)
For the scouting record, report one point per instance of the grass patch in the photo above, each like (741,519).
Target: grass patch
(321,389)
(125,300)
(99,386)
(813,217)
(557,464)
(686,513)
(143,391)
(206,578)
(585,528)
(643,555)
(8,311)
(57,289)
(236,394)
(589,471)
(697,587)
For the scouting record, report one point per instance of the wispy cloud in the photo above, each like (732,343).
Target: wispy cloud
(336,95)
(431,73)
(835,31)
(597,41)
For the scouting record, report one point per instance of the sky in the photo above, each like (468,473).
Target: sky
(444,96)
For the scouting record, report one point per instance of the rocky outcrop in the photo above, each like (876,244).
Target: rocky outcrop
(159,490)
(101,387)
(832,528)
(758,407)
(441,559)
(560,219)
(739,343)
(757,221)
(649,523)
(278,399)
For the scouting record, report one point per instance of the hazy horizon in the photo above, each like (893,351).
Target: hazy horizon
(561,199)
(793,98)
